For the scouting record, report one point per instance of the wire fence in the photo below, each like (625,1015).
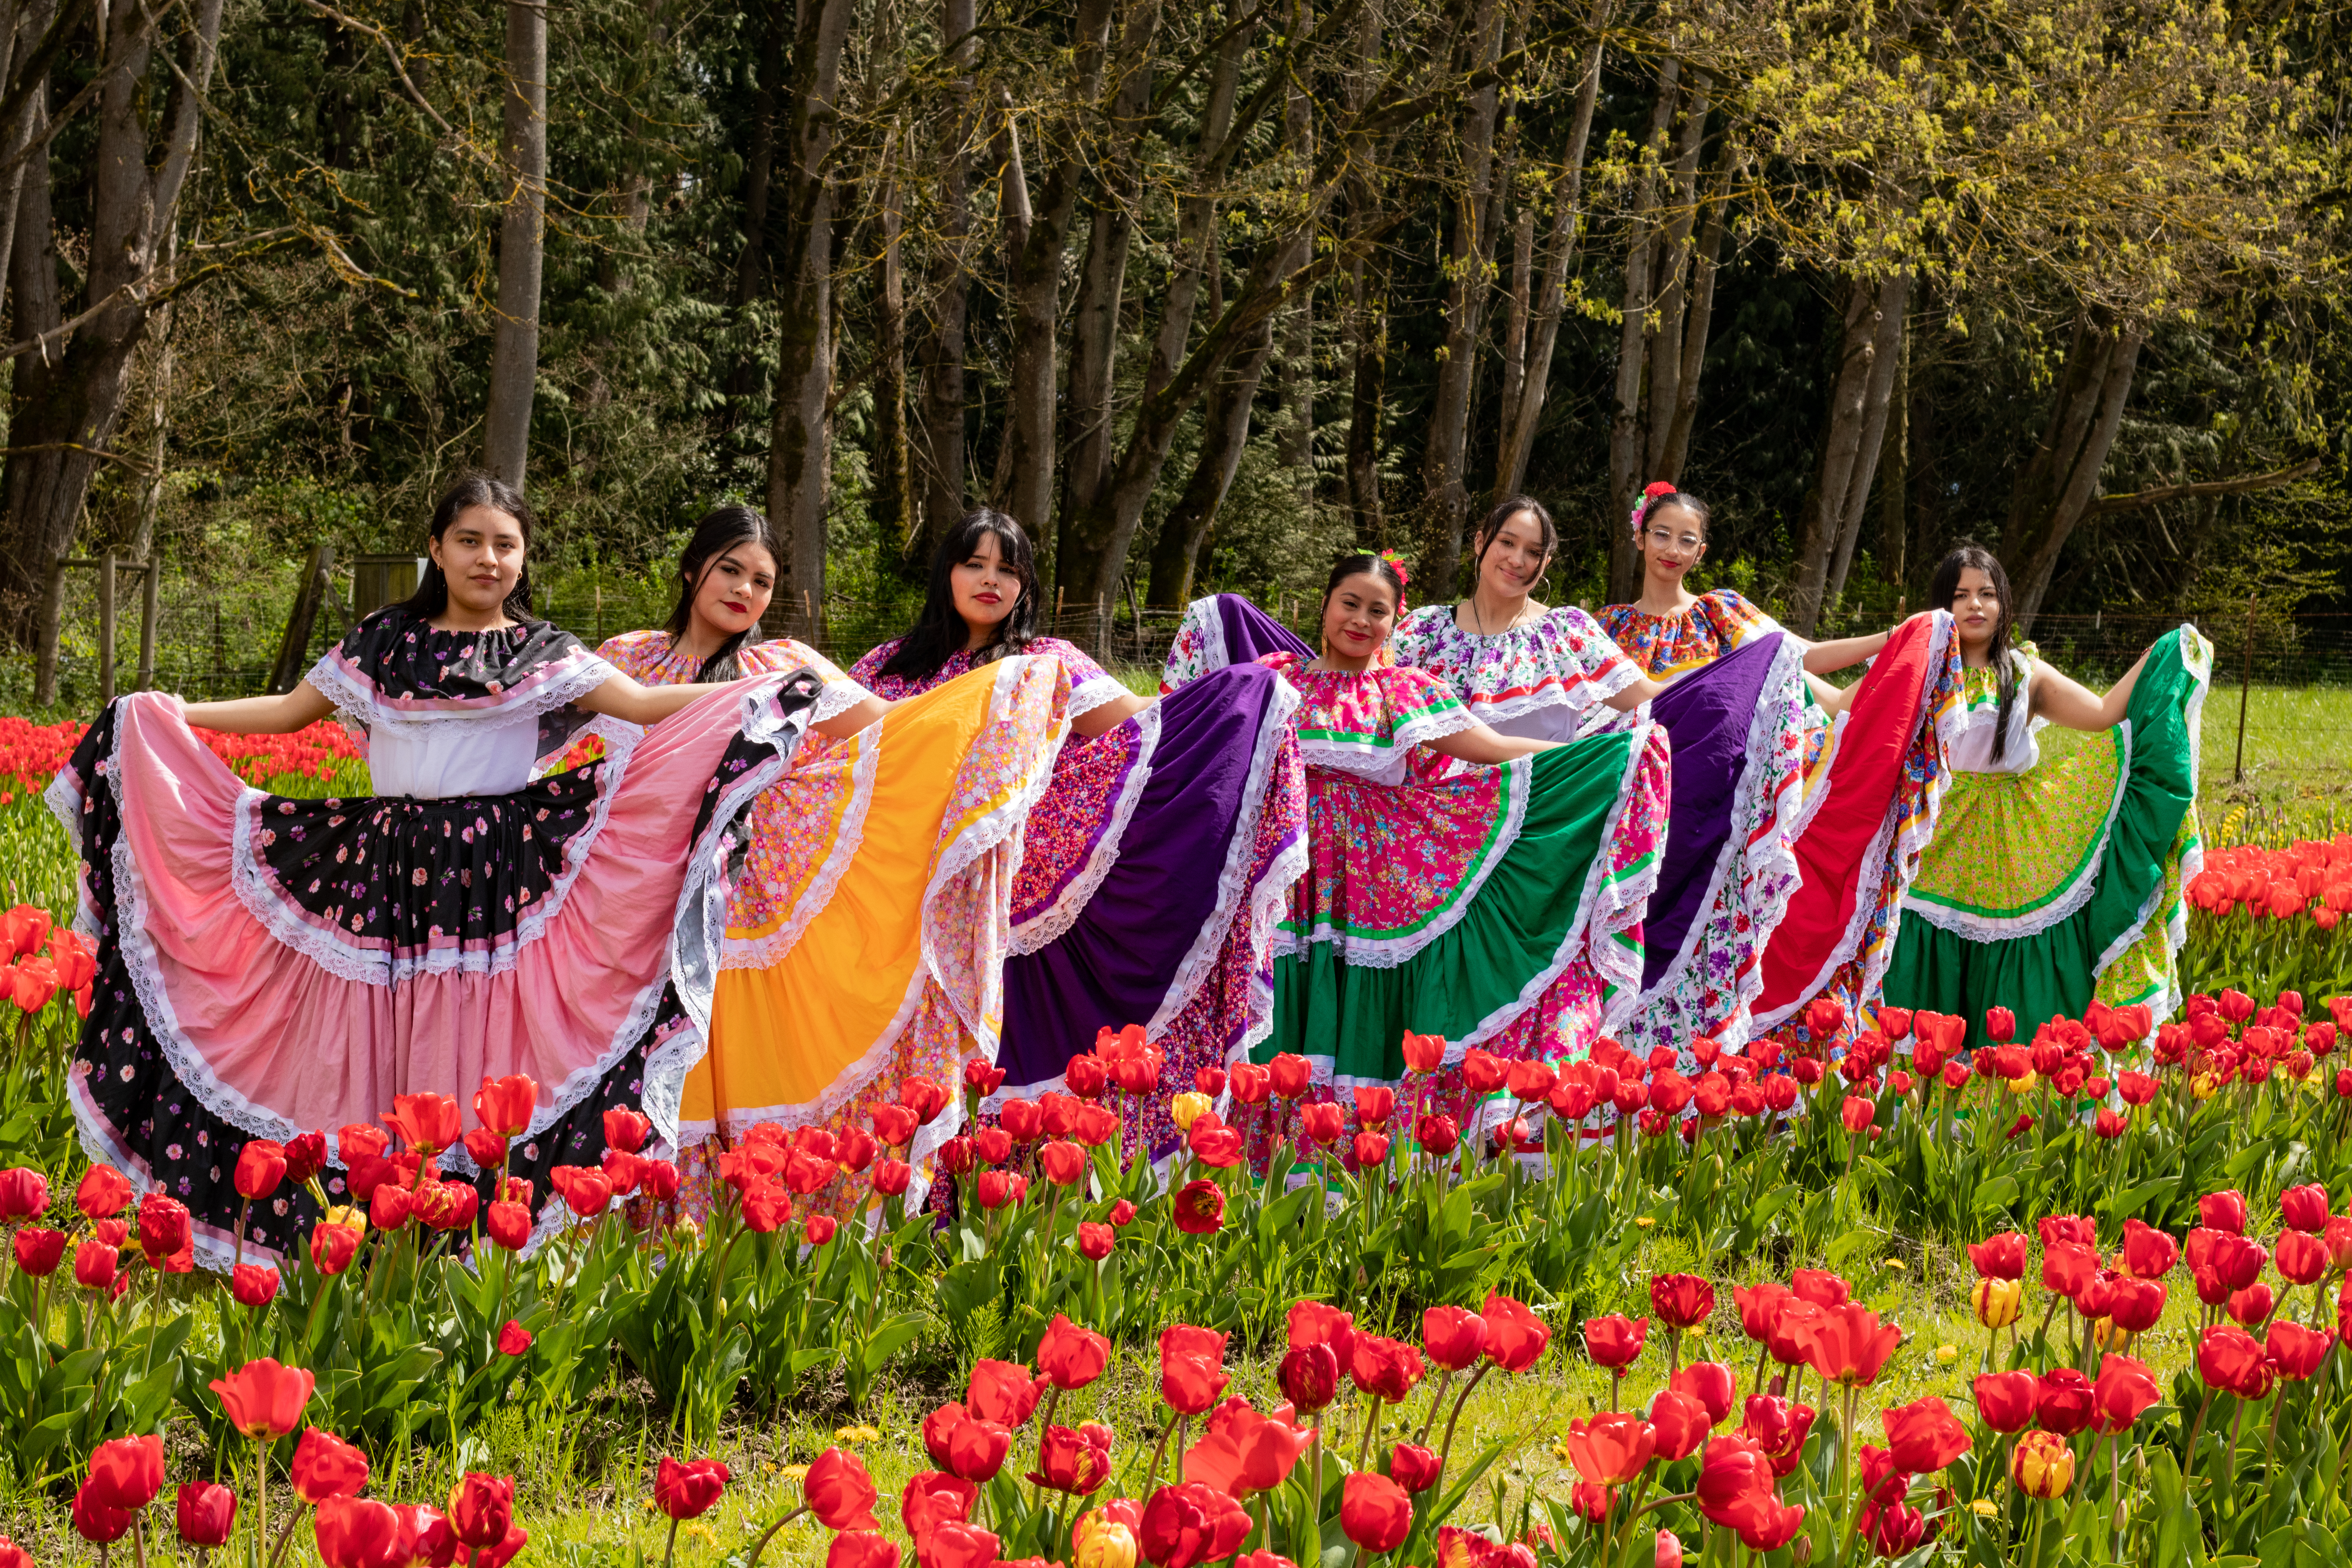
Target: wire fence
(2278,717)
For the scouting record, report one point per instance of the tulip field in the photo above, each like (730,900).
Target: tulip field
(1856,1292)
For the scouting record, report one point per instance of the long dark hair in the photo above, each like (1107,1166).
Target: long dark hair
(1493,526)
(431,595)
(724,529)
(940,633)
(1939,594)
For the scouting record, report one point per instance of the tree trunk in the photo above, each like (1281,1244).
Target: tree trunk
(522,232)
(1037,232)
(1895,492)
(894,501)
(1699,316)
(939,451)
(1627,444)
(800,439)
(1367,331)
(69,402)
(1523,411)
(25,26)
(758,183)
(1446,499)
(1089,440)
(1873,331)
(1671,262)
(1887,359)
(1225,433)
(2055,488)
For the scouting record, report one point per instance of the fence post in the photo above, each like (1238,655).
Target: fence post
(106,627)
(2245,683)
(149,591)
(53,606)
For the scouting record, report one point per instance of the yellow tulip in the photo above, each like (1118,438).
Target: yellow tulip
(1188,1108)
(1998,1302)
(1104,1544)
(2042,1466)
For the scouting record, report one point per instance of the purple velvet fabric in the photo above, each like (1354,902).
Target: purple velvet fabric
(1114,967)
(1707,715)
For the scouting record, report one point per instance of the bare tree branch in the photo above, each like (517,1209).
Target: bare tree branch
(2138,499)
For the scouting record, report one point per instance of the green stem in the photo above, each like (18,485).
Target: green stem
(761,1544)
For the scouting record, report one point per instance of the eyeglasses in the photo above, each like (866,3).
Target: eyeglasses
(1666,539)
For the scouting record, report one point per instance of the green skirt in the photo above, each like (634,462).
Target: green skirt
(2044,891)
(1494,907)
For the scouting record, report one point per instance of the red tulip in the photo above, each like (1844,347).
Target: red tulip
(2125,1387)
(931,1499)
(2229,1358)
(1309,1377)
(333,1246)
(1732,1476)
(2067,1266)
(2061,1401)
(2000,1256)
(1711,1384)
(2295,1350)
(2302,1257)
(839,1492)
(2006,1401)
(427,1122)
(504,1105)
(23,1194)
(1924,1436)
(2223,1211)
(1759,1307)
(690,1490)
(2148,1254)
(38,1252)
(126,1473)
(325,1466)
(1388,1368)
(2138,1304)
(1819,1285)
(1243,1452)
(514,1340)
(1452,1337)
(1069,1356)
(261,1166)
(1003,1392)
(1847,1344)
(1192,1375)
(1199,1207)
(1681,1301)
(206,1512)
(1375,1103)
(1076,1462)
(1375,1512)
(165,1228)
(98,1522)
(1181,1526)
(1615,1342)
(1515,1337)
(263,1399)
(1680,1423)
(355,1533)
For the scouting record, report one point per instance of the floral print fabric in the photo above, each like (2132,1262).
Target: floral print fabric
(1662,646)
(1563,659)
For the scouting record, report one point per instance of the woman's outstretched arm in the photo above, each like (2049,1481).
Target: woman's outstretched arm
(1633,696)
(623,698)
(281,714)
(1820,658)
(1480,744)
(2066,702)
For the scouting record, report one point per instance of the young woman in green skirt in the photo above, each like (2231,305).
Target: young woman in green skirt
(2055,875)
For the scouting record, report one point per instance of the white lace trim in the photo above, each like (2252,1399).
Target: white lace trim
(1054,922)
(1094,691)
(1907,848)
(257,888)
(1580,690)
(563,682)
(1232,879)
(1389,951)
(1387,764)
(1758,850)
(766,951)
(65,799)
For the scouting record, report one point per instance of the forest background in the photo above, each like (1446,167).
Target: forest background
(1202,295)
